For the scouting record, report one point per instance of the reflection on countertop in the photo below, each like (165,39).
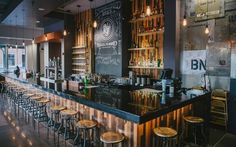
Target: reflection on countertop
(131,103)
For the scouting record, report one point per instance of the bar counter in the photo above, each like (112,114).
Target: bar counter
(133,112)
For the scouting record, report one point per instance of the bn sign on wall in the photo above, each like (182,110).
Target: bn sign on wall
(193,62)
(108,39)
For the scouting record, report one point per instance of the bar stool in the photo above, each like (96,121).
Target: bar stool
(167,135)
(26,104)
(33,108)
(67,116)
(86,126)
(41,110)
(54,119)
(194,122)
(112,138)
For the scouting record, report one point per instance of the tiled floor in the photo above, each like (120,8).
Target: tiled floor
(18,133)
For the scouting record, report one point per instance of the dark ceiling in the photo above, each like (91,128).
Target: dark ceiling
(27,12)
(7,6)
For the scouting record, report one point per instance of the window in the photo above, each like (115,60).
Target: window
(23,60)
(11,59)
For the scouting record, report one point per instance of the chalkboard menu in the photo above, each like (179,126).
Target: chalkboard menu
(108,39)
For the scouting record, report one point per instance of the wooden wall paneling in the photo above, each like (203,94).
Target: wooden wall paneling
(82,62)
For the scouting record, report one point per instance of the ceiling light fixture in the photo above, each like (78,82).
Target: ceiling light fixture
(207,29)
(148,11)
(185,18)
(184,21)
(46,37)
(64,15)
(95,24)
(33,21)
(23,43)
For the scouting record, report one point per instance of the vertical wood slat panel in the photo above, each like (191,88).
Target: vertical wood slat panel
(84,37)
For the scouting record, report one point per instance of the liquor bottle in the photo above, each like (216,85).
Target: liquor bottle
(133,44)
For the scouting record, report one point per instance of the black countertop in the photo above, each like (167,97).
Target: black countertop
(130,104)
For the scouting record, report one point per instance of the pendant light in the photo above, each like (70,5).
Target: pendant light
(95,24)
(185,19)
(64,31)
(148,11)
(207,29)
(46,37)
(23,43)
(33,22)
(16,31)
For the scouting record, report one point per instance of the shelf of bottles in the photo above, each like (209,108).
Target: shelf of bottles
(146,50)
(79,59)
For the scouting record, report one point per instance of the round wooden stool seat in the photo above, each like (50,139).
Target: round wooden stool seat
(29,94)
(111,137)
(68,112)
(43,100)
(165,132)
(192,119)
(86,124)
(57,108)
(36,97)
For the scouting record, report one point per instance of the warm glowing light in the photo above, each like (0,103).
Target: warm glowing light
(148,11)
(13,137)
(5,113)
(18,128)
(30,142)
(23,135)
(207,30)
(64,33)
(184,21)
(95,24)
(46,37)
(33,41)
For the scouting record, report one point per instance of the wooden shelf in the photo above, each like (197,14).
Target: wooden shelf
(79,58)
(145,67)
(79,47)
(81,70)
(146,18)
(79,64)
(75,53)
(143,48)
(150,33)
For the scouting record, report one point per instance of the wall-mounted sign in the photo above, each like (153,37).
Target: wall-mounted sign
(208,9)
(193,62)
(108,39)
